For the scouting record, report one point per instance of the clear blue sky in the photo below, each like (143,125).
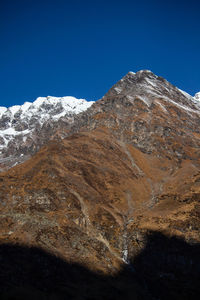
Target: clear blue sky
(81,48)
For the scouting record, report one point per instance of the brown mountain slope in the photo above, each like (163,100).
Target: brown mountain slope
(129,166)
(86,200)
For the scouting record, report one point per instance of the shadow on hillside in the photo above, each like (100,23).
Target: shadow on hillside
(168,268)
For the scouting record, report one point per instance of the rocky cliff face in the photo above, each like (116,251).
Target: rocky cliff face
(148,112)
(124,181)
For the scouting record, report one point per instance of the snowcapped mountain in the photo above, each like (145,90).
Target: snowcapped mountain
(120,195)
(148,87)
(24,129)
(21,124)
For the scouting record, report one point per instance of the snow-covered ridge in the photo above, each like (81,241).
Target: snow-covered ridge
(66,104)
(22,119)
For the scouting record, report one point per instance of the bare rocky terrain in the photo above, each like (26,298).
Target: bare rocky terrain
(112,197)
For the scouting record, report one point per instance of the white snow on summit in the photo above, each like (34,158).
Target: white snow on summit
(148,87)
(21,119)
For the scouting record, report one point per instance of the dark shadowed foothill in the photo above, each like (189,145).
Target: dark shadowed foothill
(167,268)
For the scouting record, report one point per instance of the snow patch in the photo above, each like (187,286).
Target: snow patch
(187,109)
(2,110)
(25,106)
(130,97)
(14,109)
(131,73)
(162,106)
(145,100)
(185,94)
(118,90)
(197,96)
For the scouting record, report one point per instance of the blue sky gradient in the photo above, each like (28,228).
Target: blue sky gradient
(81,48)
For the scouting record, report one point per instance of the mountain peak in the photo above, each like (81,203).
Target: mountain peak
(139,73)
(145,84)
